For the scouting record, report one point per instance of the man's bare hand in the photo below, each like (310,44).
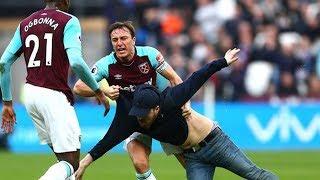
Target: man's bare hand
(113,92)
(83,164)
(8,117)
(186,110)
(79,173)
(232,55)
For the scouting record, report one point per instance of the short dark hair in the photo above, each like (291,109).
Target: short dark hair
(119,25)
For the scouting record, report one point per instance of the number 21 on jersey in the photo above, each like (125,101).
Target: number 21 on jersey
(33,62)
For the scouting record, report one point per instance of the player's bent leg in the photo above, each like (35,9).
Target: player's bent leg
(139,154)
(139,148)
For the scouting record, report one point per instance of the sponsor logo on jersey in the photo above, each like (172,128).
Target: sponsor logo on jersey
(118,76)
(79,38)
(144,68)
(132,88)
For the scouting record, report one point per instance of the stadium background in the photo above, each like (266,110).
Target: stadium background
(268,102)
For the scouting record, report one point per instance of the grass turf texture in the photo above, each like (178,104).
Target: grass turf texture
(287,165)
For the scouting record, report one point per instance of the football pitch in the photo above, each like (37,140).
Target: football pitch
(287,165)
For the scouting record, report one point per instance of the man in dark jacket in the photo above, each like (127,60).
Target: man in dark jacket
(205,145)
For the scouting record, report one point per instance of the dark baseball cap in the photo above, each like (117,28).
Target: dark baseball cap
(145,97)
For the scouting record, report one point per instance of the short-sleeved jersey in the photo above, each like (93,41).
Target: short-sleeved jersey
(44,37)
(143,70)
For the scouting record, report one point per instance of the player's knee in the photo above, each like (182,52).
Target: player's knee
(141,165)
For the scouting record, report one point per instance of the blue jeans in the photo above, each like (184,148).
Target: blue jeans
(222,152)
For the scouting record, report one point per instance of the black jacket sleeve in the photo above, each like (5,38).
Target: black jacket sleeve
(122,127)
(178,95)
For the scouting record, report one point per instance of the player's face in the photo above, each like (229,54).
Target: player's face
(146,122)
(123,44)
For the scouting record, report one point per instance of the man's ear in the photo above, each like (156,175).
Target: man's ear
(134,40)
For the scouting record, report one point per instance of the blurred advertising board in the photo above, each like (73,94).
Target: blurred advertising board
(253,126)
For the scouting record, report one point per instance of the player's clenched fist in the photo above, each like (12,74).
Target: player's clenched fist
(113,92)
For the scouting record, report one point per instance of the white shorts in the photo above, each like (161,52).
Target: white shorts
(169,149)
(54,118)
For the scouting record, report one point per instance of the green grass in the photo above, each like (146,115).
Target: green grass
(287,165)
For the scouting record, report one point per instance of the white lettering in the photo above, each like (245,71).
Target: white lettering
(51,21)
(46,20)
(30,24)
(39,21)
(55,26)
(130,88)
(35,22)
(286,122)
(149,82)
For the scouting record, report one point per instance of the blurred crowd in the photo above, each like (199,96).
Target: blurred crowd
(279,42)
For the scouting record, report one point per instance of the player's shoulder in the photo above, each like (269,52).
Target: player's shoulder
(146,50)
(57,13)
(70,16)
(107,60)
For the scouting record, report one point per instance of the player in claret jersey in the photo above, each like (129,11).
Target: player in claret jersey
(125,68)
(50,42)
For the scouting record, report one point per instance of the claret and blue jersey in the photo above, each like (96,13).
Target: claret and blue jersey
(144,68)
(39,37)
